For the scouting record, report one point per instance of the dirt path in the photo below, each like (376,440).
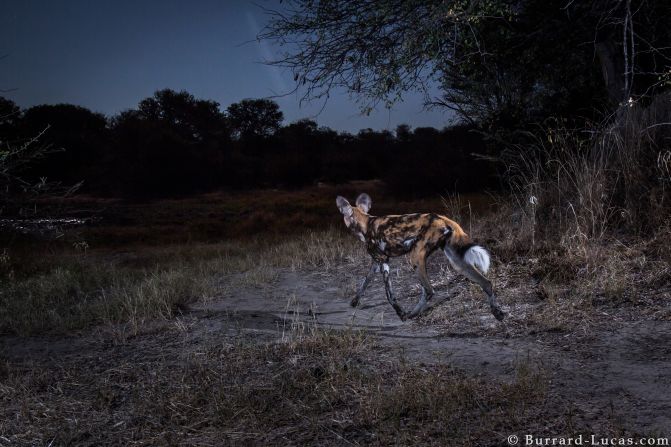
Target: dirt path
(621,371)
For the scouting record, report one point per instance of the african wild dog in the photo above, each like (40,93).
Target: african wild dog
(417,235)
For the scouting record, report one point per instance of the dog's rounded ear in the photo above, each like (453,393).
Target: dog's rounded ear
(344,206)
(364,202)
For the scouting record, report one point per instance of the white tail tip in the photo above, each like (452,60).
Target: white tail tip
(478,257)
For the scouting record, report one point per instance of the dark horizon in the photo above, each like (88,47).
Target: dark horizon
(109,56)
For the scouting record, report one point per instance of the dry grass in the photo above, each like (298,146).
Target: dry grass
(313,387)
(550,284)
(585,231)
(573,186)
(76,293)
(71,290)
(551,280)
(321,388)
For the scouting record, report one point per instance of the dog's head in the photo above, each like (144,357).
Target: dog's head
(356,217)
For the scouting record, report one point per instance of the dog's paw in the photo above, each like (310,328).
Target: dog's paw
(498,313)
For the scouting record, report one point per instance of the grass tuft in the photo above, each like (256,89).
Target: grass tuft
(71,290)
(326,388)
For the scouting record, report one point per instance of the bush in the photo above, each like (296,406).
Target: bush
(579,186)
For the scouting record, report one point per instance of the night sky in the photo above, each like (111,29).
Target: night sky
(108,55)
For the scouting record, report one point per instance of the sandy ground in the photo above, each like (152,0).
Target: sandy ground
(619,368)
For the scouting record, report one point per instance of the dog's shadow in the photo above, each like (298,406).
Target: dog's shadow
(430,306)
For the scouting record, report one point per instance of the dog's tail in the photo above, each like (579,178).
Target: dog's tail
(478,257)
(459,245)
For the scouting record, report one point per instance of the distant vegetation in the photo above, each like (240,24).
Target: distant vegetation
(175,144)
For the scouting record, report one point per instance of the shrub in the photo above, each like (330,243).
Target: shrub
(579,186)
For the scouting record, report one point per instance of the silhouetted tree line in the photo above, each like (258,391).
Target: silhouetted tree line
(173,143)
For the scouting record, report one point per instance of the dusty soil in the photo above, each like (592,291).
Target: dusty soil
(612,365)
(608,366)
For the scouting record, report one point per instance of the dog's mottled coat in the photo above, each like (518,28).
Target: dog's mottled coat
(418,236)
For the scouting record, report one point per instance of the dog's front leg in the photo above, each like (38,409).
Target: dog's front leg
(374,268)
(390,296)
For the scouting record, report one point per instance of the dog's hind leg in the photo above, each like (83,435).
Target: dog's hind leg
(470,272)
(427,290)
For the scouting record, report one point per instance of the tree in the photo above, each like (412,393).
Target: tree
(295,160)
(18,158)
(193,119)
(403,133)
(444,159)
(15,159)
(9,116)
(172,144)
(255,118)
(525,67)
(502,62)
(300,129)
(75,133)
